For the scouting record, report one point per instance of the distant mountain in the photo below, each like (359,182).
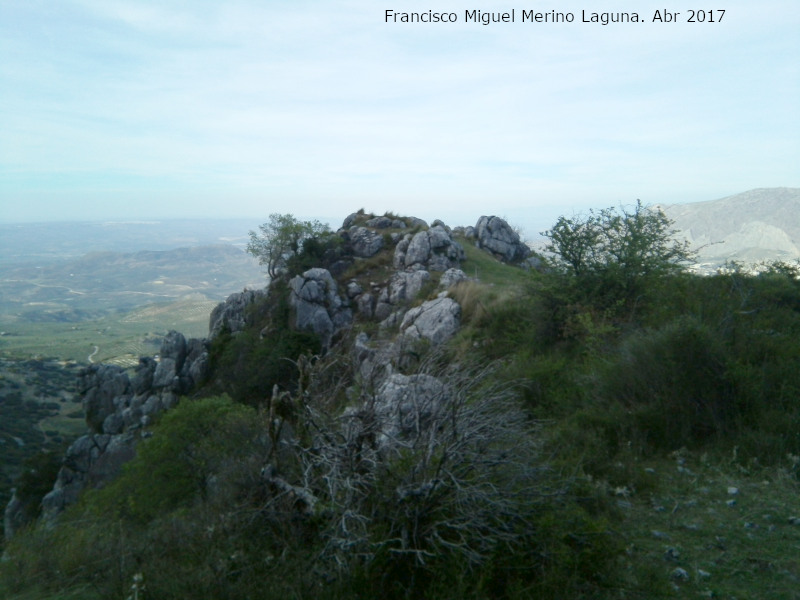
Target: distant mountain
(755,226)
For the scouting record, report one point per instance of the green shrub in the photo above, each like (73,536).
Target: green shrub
(180,462)
(247,365)
(674,383)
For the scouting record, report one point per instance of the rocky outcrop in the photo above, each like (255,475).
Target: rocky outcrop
(318,306)
(117,408)
(435,320)
(403,287)
(102,386)
(405,404)
(385,223)
(230,315)
(496,235)
(365,242)
(91,461)
(114,403)
(433,249)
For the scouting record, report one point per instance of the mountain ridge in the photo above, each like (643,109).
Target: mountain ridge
(762,224)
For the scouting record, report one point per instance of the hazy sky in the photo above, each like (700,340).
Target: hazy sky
(130,110)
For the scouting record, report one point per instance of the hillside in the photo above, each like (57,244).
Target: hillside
(754,226)
(419,411)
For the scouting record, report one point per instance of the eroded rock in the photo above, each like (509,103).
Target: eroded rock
(496,235)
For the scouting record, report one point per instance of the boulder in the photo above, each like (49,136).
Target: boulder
(433,249)
(385,223)
(230,315)
(166,375)
(365,305)
(414,222)
(365,242)
(435,320)
(143,379)
(496,235)
(405,285)
(114,423)
(318,307)
(350,219)
(419,250)
(452,277)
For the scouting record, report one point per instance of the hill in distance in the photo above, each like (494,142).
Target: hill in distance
(759,225)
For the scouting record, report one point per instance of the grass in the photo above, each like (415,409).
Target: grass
(729,527)
(485,268)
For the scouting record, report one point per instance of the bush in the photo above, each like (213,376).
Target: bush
(674,380)
(616,256)
(180,463)
(250,363)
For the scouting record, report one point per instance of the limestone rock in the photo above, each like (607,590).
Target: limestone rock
(452,277)
(435,320)
(365,242)
(414,222)
(91,461)
(230,315)
(173,346)
(385,223)
(404,286)
(349,220)
(318,307)
(166,374)
(496,235)
(100,385)
(143,380)
(433,249)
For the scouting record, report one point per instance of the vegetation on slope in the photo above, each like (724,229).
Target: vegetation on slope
(630,433)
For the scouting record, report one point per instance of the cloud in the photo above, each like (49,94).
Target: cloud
(316,103)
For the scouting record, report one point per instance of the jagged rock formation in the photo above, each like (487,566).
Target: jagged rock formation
(230,315)
(91,461)
(317,304)
(497,236)
(117,408)
(433,249)
(403,287)
(113,403)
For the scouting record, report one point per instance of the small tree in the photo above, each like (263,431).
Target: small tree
(282,238)
(618,251)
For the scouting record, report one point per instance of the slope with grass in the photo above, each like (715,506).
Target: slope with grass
(570,441)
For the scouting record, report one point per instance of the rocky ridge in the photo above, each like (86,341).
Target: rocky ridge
(119,406)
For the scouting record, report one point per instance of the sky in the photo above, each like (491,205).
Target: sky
(115,109)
